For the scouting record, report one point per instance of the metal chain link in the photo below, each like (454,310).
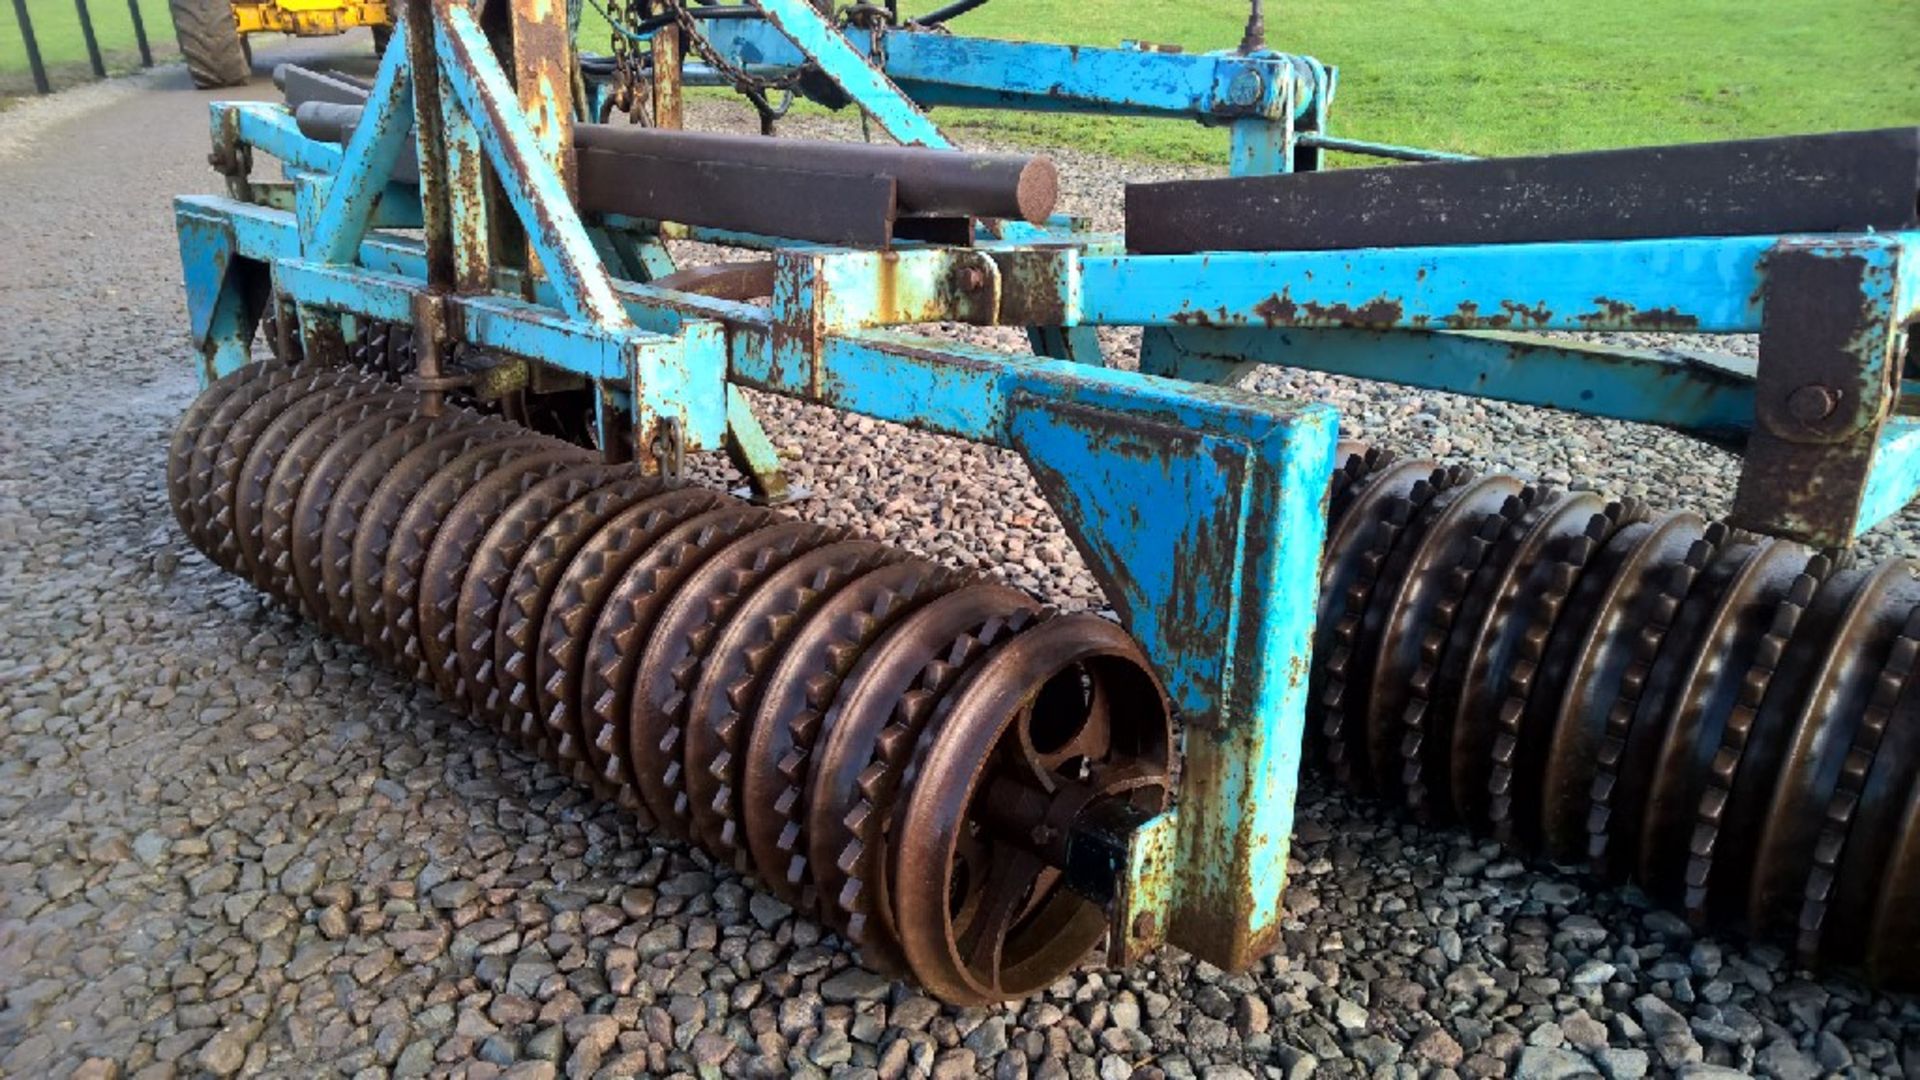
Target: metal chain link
(755,88)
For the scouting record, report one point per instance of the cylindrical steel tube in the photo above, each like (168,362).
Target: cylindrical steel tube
(930,183)
(938,183)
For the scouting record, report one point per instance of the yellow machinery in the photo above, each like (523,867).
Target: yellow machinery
(213,33)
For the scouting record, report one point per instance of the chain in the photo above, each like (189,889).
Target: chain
(632,85)
(755,88)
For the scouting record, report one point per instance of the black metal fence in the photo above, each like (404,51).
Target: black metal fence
(60,42)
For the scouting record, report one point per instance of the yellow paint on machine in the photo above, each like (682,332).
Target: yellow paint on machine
(309,18)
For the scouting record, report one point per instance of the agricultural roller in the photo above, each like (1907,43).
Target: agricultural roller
(465,454)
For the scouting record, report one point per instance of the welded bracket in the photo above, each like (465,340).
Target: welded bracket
(824,291)
(1205,542)
(755,456)
(1829,375)
(226,294)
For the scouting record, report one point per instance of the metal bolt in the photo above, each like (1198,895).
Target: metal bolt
(973,279)
(1812,403)
(1144,924)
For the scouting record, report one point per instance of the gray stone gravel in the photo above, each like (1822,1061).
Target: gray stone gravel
(229,846)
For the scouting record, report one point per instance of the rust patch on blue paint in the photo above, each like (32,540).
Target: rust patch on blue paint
(1619,313)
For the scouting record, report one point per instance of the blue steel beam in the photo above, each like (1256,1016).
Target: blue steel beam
(1700,396)
(223,306)
(1203,514)
(1710,396)
(1895,478)
(270,128)
(681,373)
(951,70)
(810,31)
(1692,284)
(367,160)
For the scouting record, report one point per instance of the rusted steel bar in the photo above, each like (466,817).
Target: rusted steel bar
(932,183)
(668,108)
(853,211)
(1844,182)
(826,192)
(723,281)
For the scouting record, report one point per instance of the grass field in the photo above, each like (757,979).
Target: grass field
(1483,76)
(56,26)
(1513,76)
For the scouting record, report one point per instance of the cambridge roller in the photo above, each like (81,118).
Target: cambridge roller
(1728,720)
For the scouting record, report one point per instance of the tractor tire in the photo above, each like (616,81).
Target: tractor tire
(210,43)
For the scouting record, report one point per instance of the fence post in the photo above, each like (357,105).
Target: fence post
(140,34)
(93,45)
(40,84)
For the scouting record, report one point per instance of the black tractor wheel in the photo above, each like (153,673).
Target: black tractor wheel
(210,43)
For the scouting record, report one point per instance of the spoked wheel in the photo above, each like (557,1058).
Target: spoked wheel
(1056,722)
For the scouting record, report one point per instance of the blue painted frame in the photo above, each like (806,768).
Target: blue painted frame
(1198,505)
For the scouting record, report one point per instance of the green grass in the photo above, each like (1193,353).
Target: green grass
(1509,76)
(56,27)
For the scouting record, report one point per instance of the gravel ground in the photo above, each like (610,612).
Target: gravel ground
(230,846)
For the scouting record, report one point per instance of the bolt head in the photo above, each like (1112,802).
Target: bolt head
(1812,403)
(1245,88)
